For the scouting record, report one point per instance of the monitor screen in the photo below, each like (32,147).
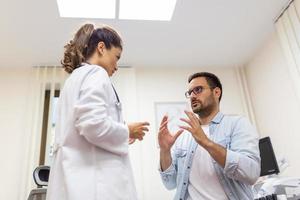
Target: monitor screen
(268,160)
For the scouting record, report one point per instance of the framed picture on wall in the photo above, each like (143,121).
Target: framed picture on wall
(174,110)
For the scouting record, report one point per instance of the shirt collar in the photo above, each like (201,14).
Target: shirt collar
(218,118)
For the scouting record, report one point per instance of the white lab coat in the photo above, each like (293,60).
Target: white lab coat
(91,160)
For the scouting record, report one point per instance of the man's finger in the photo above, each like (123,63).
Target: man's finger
(161,130)
(164,119)
(163,125)
(186,128)
(191,116)
(186,121)
(178,133)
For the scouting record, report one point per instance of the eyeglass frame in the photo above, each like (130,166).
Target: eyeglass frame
(189,92)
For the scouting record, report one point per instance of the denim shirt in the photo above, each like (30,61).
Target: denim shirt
(242,166)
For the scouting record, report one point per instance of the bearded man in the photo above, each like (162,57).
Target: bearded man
(213,156)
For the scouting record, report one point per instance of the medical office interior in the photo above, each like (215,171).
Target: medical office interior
(253,46)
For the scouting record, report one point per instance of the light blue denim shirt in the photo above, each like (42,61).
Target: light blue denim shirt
(242,167)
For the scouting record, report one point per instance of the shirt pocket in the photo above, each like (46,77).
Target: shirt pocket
(180,157)
(180,153)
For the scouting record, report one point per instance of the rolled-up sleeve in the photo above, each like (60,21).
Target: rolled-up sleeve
(169,177)
(92,119)
(242,158)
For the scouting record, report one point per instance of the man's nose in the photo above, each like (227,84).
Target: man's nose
(193,95)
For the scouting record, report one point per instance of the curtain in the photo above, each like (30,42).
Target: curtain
(288,29)
(43,79)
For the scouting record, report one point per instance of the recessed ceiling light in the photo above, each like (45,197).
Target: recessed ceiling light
(87,8)
(147,9)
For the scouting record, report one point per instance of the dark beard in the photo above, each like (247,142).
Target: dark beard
(204,112)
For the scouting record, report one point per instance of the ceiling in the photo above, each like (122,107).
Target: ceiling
(215,33)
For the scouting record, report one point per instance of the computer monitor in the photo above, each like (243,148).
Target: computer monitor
(268,160)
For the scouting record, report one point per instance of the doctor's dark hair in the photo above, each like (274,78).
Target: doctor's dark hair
(212,80)
(85,42)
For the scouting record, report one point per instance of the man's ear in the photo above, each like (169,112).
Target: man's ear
(101,48)
(217,92)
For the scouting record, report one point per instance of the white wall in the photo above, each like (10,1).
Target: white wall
(139,90)
(276,106)
(14,134)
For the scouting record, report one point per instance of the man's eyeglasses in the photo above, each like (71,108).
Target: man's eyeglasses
(196,90)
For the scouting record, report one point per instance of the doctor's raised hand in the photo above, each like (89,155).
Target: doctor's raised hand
(137,130)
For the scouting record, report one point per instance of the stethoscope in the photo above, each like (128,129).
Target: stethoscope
(118,103)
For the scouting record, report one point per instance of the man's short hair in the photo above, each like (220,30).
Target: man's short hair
(212,80)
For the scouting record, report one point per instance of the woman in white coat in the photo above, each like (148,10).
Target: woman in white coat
(91,159)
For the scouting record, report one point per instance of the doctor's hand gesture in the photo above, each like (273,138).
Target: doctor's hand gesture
(165,138)
(137,130)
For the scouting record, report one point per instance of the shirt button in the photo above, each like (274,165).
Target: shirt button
(188,167)
(184,183)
